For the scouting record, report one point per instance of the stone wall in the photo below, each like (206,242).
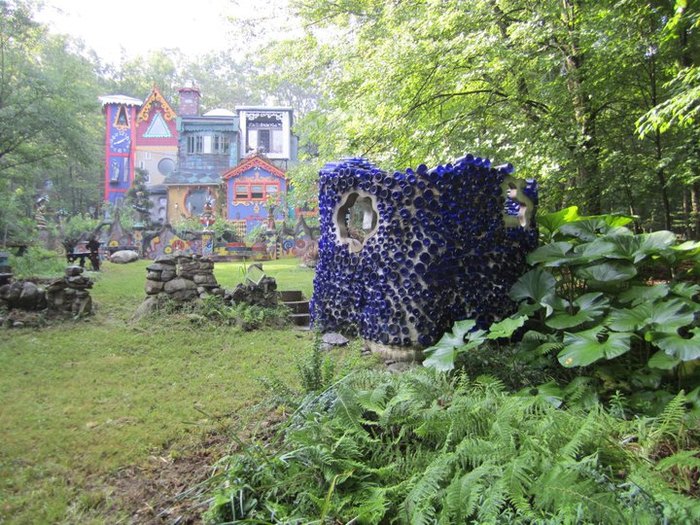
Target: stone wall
(182,278)
(63,298)
(403,256)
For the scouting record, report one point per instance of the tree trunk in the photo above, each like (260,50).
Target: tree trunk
(661,176)
(686,215)
(695,204)
(585,151)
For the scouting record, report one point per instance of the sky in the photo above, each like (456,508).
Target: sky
(135,27)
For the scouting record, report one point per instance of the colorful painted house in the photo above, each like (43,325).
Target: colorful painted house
(120,123)
(208,146)
(237,158)
(156,149)
(139,135)
(250,187)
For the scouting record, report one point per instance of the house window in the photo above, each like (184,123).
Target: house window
(195,144)
(220,144)
(224,144)
(269,140)
(256,191)
(241,191)
(166,166)
(264,131)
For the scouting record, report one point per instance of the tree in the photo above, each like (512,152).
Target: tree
(554,87)
(49,114)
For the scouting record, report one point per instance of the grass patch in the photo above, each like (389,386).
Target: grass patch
(287,272)
(82,401)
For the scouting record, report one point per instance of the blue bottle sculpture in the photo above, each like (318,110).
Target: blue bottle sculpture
(403,256)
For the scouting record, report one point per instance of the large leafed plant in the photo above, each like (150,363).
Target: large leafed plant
(619,305)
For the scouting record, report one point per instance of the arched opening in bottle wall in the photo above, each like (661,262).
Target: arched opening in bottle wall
(356,220)
(518,207)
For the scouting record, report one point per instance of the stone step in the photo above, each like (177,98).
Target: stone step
(291,295)
(297,307)
(300,319)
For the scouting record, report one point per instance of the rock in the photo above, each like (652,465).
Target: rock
(29,296)
(158,267)
(150,305)
(153,276)
(82,305)
(73,270)
(11,292)
(17,324)
(79,282)
(56,286)
(168,260)
(335,339)
(204,279)
(184,295)
(178,285)
(167,275)
(153,287)
(124,256)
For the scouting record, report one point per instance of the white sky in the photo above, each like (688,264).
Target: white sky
(136,27)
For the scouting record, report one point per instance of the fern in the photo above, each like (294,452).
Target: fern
(424,448)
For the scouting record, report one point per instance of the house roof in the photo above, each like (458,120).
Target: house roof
(219,112)
(120,99)
(192,178)
(256,161)
(264,108)
(154,97)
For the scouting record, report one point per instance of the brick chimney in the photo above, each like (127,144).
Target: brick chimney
(189,101)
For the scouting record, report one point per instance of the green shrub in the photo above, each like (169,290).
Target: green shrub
(316,370)
(603,303)
(214,310)
(37,262)
(422,448)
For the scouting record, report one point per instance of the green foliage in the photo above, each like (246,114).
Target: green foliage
(214,310)
(527,82)
(78,225)
(317,370)
(604,300)
(49,118)
(37,262)
(419,448)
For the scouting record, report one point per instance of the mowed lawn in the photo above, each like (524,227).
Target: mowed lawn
(82,401)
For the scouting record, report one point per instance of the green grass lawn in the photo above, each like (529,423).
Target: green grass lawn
(81,401)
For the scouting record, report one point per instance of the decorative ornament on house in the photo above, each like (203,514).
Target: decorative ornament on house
(403,256)
(207,219)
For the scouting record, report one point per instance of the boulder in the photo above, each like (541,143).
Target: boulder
(158,267)
(334,339)
(169,260)
(178,285)
(30,296)
(73,270)
(124,256)
(150,305)
(153,287)
(153,276)
(184,295)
